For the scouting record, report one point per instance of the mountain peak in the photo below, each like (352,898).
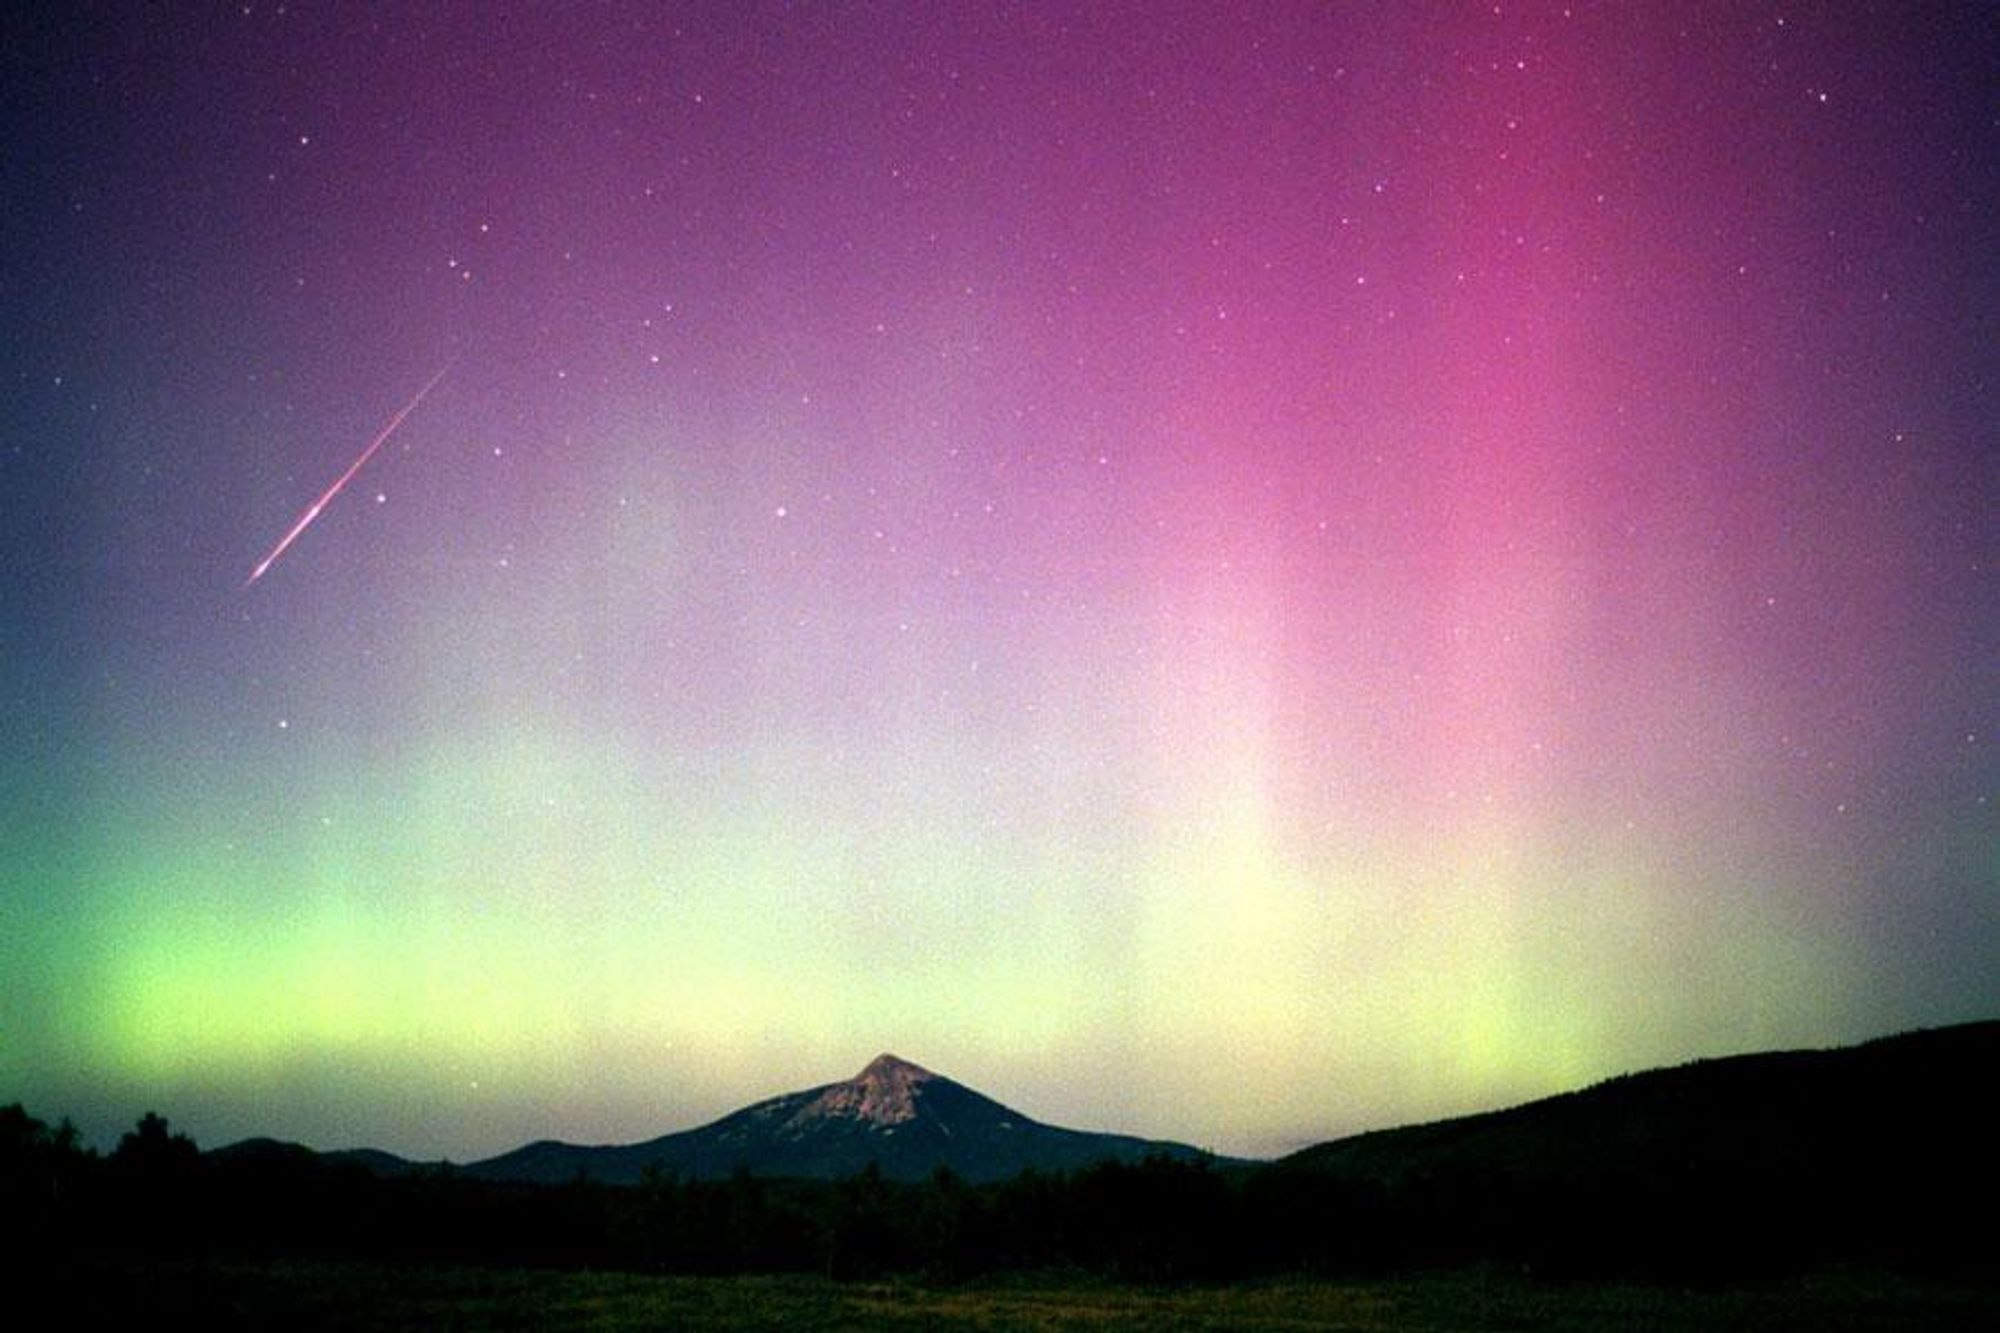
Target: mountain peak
(886,1067)
(883,1094)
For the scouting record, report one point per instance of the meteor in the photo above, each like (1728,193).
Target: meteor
(312,512)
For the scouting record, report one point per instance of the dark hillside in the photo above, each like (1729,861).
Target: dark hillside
(1856,1150)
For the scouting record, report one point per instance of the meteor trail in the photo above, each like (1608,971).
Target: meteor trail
(312,512)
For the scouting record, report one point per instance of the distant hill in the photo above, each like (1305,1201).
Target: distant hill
(1818,1150)
(267,1152)
(902,1118)
(1738,1112)
(382,1163)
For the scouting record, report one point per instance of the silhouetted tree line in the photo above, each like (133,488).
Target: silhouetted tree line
(1160,1220)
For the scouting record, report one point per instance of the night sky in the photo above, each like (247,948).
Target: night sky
(1238,576)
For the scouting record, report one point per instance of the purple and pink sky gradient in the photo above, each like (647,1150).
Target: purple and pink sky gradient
(1239,573)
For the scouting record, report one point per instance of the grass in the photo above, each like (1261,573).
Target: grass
(330,1296)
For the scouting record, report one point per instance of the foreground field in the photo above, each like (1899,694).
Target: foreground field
(305,1297)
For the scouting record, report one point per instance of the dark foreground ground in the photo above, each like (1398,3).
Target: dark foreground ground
(316,1296)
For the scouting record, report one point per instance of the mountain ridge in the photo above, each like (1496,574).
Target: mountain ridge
(896,1116)
(1754,1115)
